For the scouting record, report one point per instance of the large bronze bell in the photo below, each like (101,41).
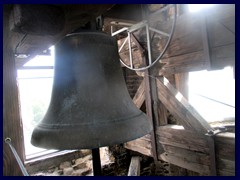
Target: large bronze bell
(90,106)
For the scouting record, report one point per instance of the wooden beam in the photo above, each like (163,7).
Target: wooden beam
(134,168)
(148,101)
(180,108)
(225,153)
(162,114)
(12,125)
(225,146)
(182,162)
(139,97)
(150,97)
(37,19)
(183,63)
(177,136)
(141,145)
(191,150)
(184,148)
(220,57)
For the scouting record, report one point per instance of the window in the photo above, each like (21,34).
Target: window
(35,81)
(212,94)
(198,7)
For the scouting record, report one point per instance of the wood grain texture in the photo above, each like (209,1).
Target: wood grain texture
(185,52)
(141,145)
(190,150)
(139,97)
(186,139)
(180,108)
(221,56)
(182,162)
(12,126)
(134,168)
(225,153)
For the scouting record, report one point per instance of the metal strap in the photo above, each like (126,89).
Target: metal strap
(23,169)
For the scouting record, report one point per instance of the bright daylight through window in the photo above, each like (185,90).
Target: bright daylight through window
(198,7)
(35,87)
(212,94)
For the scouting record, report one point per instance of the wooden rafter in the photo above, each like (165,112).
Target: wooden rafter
(180,108)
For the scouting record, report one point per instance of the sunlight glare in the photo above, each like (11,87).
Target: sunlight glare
(198,7)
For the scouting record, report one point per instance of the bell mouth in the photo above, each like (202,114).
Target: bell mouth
(84,136)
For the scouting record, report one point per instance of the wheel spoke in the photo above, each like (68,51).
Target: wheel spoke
(123,44)
(159,32)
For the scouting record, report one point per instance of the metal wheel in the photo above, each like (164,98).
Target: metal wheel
(150,30)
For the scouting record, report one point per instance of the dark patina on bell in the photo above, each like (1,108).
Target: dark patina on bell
(90,105)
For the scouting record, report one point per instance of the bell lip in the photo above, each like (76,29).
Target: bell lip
(54,139)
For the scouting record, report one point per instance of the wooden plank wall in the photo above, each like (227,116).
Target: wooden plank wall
(190,150)
(185,52)
(225,154)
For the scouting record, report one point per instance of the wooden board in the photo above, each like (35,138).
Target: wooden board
(174,135)
(134,168)
(220,57)
(139,97)
(141,145)
(190,150)
(225,167)
(182,162)
(180,108)
(225,146)
(225,153)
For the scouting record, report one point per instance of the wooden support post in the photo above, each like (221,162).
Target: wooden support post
(150,113)
(96,162)
(212,154)
(134,169)
(150,96)
(12,125)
